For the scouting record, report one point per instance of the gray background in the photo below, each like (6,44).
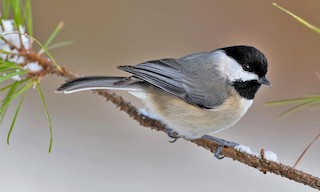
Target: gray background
(99,148)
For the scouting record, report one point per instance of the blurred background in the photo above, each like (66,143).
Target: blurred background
(96,147)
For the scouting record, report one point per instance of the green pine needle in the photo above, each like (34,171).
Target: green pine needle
(22,15)
(10,75)
(54,34)
(6,87)
(300,104)
(310,101)
(296,108)
(15,117)
(46,51)
(4,106)
(299,19)
(8,64)
(5,9)
(4,52)
(59,44)
(28,17)
(9,86)
(47,113)
(16,8)
(293,101)
(12,94)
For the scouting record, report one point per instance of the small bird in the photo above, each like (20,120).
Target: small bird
(198,94)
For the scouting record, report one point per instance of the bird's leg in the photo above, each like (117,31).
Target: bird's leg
(172,135)
(221,143)
(218,151)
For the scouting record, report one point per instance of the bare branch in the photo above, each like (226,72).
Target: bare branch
(261,164)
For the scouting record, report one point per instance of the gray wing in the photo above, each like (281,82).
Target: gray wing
(164,74)
(193,78)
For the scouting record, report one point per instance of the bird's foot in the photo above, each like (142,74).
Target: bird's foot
(174,137)
(221,143)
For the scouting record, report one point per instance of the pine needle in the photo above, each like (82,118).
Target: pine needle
(298,18)
(305,150)
(47,113)
(15,117)
(53,35)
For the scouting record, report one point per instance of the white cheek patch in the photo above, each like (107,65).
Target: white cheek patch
(236,72)
(233,69)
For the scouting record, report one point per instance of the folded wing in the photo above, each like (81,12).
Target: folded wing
(194,78)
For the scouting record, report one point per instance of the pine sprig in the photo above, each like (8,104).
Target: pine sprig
(20,67)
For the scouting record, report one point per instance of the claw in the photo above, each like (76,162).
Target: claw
(173,139)
(218,151)
(172,135)
(218,141)
(221,143)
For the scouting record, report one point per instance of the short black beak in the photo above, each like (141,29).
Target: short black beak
(264,81)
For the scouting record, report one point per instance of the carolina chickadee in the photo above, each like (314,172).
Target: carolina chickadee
(198,94)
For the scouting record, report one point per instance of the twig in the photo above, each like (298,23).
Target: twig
(20,39)
(261,164)
(12,46)
(250,160)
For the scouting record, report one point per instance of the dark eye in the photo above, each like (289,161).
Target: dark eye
(246,67)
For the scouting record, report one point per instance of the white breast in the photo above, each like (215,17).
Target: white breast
(191,121)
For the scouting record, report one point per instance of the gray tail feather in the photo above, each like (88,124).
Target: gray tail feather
(92,82)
